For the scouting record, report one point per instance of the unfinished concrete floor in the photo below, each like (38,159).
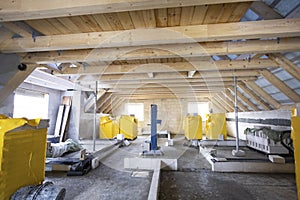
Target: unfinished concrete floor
(193,180)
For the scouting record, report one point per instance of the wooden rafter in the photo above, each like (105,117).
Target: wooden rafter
(231,97)
(285,89)
(286,64)
(253,96)
(267,97)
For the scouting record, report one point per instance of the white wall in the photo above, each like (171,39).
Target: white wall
(170,111)
(280,116)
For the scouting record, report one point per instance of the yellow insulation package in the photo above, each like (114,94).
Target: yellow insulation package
(22,153)
(216,126)
(129,127)
(108,128)
(193,127)
(296,142)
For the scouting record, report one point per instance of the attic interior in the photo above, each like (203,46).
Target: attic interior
(143,99)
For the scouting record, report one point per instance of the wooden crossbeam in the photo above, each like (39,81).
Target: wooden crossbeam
(39,9)
(166,51)
(171,75)
(285,89)
(225,102)
(230,102)
(171,67)
(157,36)
(253,96)
(267,97)
(286,64)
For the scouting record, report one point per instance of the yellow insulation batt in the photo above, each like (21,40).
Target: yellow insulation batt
(22,154)
(296,142)
(193,127)
(216,126)
(108,128)
(128,127)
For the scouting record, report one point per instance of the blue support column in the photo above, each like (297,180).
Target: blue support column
(153,144)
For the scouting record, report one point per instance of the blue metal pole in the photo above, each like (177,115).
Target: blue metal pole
(153,144)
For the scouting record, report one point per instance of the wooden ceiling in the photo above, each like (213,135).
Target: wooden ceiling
(155,49)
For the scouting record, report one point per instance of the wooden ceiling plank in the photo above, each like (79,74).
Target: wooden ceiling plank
(149,18)
(239,11)
(79,22)
(43,26)
(199,14)
(253,96)
(161,17)
(102,22)
(285,89)
(114,21)
(213,13)
(186,15)
(137,37)
(286,64)
(137,19)
(227,12)
(91,22)
(59,26)
(174,16)
(125,20)
(69,24)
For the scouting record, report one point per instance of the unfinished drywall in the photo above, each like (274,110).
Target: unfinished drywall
(170,111)
(275,119)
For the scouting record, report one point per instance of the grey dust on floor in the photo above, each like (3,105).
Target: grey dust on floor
(103,183)
(207,185)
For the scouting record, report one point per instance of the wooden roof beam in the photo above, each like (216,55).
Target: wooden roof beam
(253,96)
(267,97)
(286,64)
(40,9)
(191,67)
(285,89)
(157,36)
(245,99)
(166,51)
(222,103)
(240,104)
(217,104)
(172,75)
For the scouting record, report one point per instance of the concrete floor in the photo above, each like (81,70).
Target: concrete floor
(193,180)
